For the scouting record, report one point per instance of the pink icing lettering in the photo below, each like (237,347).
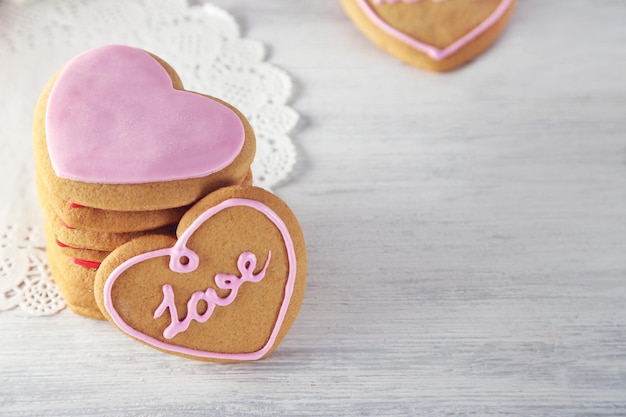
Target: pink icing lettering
(430,50)
(246,264)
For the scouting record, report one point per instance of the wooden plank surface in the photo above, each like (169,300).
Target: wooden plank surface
(466,237)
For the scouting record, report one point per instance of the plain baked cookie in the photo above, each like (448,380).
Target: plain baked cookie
(89,218)
(88,255)
(91,240)
(115,130)
(227,289)
(438,35)
(74,280)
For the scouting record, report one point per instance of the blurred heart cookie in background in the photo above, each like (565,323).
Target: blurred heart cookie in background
(437,35)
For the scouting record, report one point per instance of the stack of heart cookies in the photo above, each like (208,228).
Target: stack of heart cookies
(122,151)
(151,219)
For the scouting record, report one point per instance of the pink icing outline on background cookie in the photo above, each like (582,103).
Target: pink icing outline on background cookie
(432,51)
(114,117)
(404,1)
(179,250)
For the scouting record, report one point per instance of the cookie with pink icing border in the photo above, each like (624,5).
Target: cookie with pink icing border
(438,35)
(228,288)
(115,130)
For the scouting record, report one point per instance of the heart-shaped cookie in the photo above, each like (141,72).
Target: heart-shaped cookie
(74,278)
(113,113)
(227,289)
(438,35)
(88,218)
(115,130)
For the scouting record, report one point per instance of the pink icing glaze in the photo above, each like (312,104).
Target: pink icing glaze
(432,51)
(179,251)
(113,117)
(246,263)
(404,1)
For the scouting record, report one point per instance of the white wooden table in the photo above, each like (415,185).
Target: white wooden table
(466,237)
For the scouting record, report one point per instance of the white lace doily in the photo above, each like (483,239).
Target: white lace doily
(202,43)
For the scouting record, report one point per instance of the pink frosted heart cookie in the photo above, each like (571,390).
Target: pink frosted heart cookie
(115,130)
(226,289)
(438,35)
